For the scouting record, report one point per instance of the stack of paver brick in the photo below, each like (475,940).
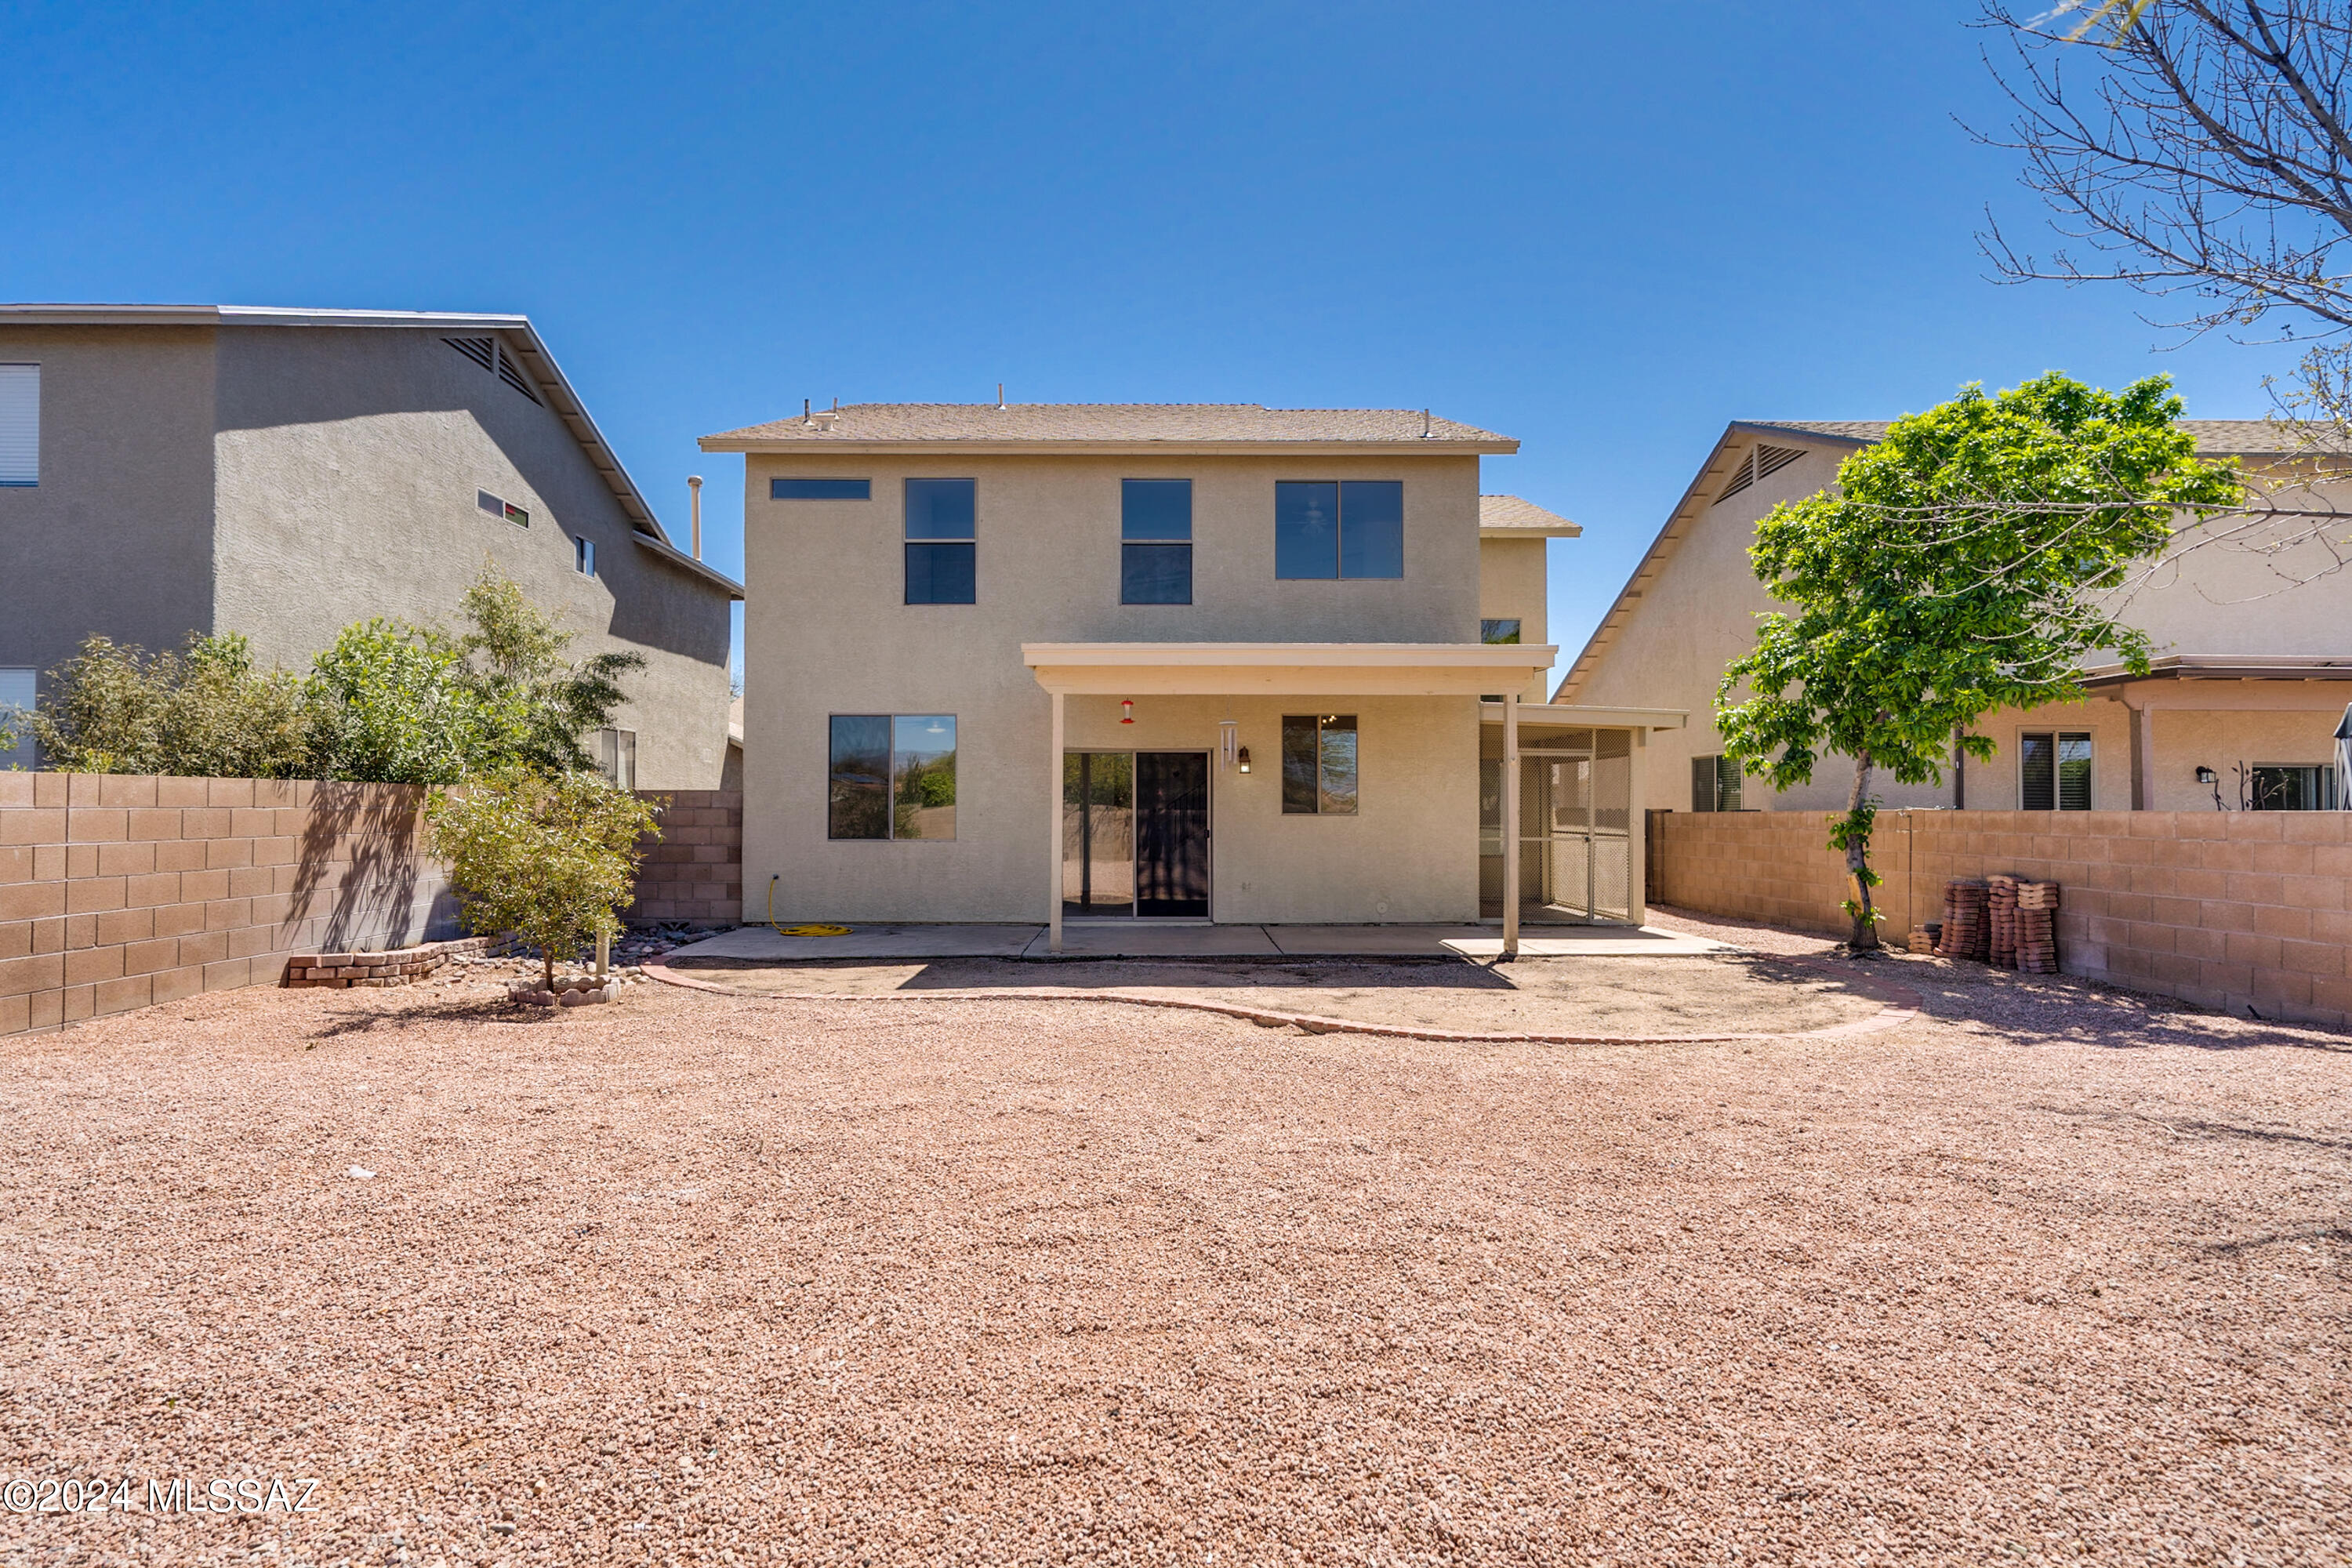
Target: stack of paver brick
(1967,933)
(2001,909)
(2037,934)
(399,966)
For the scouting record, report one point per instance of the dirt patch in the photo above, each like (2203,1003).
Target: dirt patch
(1711,994)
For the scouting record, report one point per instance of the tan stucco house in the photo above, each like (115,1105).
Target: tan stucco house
(168,469)
(2252,672)
(1224,662)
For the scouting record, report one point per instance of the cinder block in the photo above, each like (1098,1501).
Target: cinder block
(251,942)
(2277,991)
(131,859)
(250,881)
(94,895)
(203,887)
(222,854)
(228,974)
(2323,958)
(17,863)
(2283,859)
(273,792)
(80,930)
(92,825)
(38,825)
(16,940)
(151,824)
(15,792)
(2281,920)
(180,855)
(123,996)
(16,1012)
(248,822)
(152,891)
(2251,950)
(275,852)
(2254,826)
(47,1009)
(39,972)
(125,790)
(178,919)
(32,900)
(81,860)
(2316,892)
(229,793)
(88,964)
(178,793)
(119,926)
(2331,925)
(204,947)
(272,909)
(147,957)
(50,863)
(172,985)
(2248,887)
(79,1000)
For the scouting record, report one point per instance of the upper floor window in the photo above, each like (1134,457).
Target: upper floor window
(1155,532)
(1345,528)
(1499,632)
(2054,770)
(820,490)
(942,521)
(16,703)
(505,509)
(616,757)
(20,425)
(583,554)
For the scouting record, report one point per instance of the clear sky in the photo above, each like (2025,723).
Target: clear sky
(1604,230)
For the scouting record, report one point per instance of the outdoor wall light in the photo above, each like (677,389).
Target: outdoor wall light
(2207,776)
(1243,761)
(1127,712)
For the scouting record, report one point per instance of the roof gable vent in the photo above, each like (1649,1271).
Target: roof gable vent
(492,357)
(1741,478)
(1770,461)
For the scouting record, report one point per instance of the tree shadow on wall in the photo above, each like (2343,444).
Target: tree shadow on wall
(359,869)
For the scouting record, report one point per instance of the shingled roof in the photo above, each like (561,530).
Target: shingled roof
(1109,425)
(1505,517)
(2215,438)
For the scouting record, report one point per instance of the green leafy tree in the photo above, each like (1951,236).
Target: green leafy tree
(551,860)
(1970,561)
(535,705)
(203,713)
(389,703)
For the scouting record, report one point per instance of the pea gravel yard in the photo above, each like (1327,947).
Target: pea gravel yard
(2048,1274)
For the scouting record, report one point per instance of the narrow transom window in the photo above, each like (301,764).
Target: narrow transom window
(891,776)
(1155,550)
(820,490)
(583,554)
(1319,765)
(942,519)
(2054,770)
(1344,528)
(1500,632)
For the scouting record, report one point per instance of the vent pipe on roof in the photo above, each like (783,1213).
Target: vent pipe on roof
(694,492)
(1425,432)
(1000,395)
(807,421)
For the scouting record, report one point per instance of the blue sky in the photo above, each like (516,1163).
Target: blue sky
(1605,230)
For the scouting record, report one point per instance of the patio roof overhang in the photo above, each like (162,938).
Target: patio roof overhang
(1284,669)
(1578,714)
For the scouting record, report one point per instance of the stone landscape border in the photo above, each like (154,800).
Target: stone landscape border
(1900,1004)
(391,966)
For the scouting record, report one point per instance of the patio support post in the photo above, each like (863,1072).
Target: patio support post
(1637,830)
(1054,833)
(1511,824)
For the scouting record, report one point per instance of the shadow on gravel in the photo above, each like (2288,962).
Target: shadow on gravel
(2189,1127)
(2051,1009)
(487,1010)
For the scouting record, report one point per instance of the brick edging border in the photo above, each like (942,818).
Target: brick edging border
(1900,1005)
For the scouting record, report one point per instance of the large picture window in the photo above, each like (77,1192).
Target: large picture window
(941,521)
(1155,550)
(2054,770)
(891,776)
(1319,765)
(1345,528)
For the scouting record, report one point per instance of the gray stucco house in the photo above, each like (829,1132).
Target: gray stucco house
(282,473)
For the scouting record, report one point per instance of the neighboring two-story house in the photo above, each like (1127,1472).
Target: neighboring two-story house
(1110,662)
(2250,677)
(169,470)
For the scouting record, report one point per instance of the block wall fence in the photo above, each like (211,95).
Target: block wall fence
(2232,910)
(119,892)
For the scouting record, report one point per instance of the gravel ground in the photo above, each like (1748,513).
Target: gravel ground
(2047,1275)
(1692,993)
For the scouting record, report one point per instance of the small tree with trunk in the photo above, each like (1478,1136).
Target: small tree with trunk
(1969,562)
(551,858)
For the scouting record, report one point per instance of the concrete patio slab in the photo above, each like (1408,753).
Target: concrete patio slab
(1590,941)
(763,944)
(1141,938)
(1368,941)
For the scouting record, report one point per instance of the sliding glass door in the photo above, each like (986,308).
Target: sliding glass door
(1135,833)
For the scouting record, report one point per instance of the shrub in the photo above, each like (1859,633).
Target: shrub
(534,706)
(388,703)
(204,711)
(551,858)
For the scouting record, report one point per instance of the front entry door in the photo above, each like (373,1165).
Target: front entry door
(1171,834)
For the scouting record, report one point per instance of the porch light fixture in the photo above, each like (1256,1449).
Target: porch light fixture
(1127,712)
(1244,763)
(1229,739)
(2207,776)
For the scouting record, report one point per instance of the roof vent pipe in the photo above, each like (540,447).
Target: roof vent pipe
(1425,431)
(807,421)
(1000,395)
(693,491)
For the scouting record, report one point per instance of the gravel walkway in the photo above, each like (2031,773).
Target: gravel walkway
(2048,1275)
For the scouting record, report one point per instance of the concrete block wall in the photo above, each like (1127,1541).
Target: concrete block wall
(2241,911)
(693,872)
(119,892)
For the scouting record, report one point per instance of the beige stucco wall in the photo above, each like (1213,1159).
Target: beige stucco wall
(116,537)
(2226,740)
(1699,615)
(348,464)
(1511,582)
(826,631)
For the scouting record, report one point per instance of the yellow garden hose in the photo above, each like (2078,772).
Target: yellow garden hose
(819,930)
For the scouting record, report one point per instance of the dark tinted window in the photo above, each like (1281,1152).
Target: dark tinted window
(1155,573)
(857,782)
(1499,631)
(941,574)
(941,508)
(1306,529)
(820,490)
(1155,510)
(1371,528)
(2053,772)
(1319,765)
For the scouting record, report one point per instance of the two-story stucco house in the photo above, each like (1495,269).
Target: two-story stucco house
(169,470)
(2252,670)
(1132,661)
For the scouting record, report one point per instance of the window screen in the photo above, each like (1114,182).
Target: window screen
(1155,532)
(20,425)
(1319,765)
(2053,768)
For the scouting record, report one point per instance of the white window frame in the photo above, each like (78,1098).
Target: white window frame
(616,757)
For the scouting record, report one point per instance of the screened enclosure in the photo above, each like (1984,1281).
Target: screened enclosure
(1574,837)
